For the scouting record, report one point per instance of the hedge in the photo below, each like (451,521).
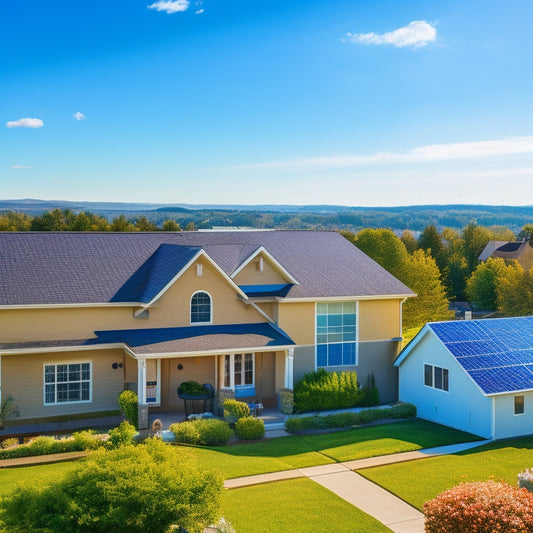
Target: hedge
(202,431)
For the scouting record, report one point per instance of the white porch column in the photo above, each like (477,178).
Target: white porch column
(141,380)
(289,366)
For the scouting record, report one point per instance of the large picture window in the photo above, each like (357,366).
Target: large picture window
(200,308)
(436,377)
(67,383)
(335,334)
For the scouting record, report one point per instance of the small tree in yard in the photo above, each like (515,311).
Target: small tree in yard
(153,487)
(480,507)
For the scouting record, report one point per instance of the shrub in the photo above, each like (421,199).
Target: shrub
(131,489)
(369,394)
(207,432)
(128,403)
(185,432)
(250,428)
(480,507)
(11,442)
(121,435)
(234,410)
(286,401)
(87,440)
(322,391)
(192,388)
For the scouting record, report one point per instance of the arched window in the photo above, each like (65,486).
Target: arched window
(200,307)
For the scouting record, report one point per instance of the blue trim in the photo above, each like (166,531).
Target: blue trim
(243,391)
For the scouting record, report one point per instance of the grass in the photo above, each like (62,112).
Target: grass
(287,453)
(419,481)
(298,506)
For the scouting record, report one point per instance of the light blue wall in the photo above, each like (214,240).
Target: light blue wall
(507,424)
(463,407)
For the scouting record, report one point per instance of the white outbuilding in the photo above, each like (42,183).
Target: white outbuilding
(475,375)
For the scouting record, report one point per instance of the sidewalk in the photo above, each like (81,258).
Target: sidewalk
(341,479)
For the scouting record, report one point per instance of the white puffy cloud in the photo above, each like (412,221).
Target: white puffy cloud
(422,154)
(199,11)
(417,33)
(26,123)
(170,6)
(78,116)
(20,166)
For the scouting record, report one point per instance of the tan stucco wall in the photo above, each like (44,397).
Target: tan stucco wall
(298,321)
(173,310)
(379,319)
(251,275)
(23,377)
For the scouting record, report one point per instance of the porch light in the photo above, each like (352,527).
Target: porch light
(114,366)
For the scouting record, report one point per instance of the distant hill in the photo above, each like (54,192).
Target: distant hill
(415,217)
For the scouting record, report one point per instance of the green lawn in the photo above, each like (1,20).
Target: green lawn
(286,453)
(298,506)
(419,481)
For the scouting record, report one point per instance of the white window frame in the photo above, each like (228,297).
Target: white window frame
(523,405)
(210,309)
(55,364)
(356,363)
(433,386)
(232,384)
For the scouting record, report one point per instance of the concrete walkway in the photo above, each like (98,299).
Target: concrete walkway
(341,479)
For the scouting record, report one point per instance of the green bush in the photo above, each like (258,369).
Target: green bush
(207,432)
(193,388)
(369,395)
(348,419)
(323,391)
(185,432)
(131,489)
(87,440)
(250,428)
(128,403)
(235,410)
(121,435)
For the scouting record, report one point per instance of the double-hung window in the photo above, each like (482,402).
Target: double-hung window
(67,383)
(239,374)
(436,377)
(335,334)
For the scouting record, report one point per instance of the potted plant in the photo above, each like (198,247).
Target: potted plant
(7,409)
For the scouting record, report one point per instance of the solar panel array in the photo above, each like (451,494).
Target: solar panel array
(497,353)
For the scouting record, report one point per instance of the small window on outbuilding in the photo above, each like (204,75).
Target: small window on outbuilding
(519,405)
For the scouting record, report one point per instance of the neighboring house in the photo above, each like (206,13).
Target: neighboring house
(476,375)
(520,251)
(85,315)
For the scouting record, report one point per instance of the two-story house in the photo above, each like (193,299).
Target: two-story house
(85,315)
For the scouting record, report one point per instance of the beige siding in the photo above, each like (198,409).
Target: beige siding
(379,319)
(251,275)
(23,376)
(173,310)
(298,321)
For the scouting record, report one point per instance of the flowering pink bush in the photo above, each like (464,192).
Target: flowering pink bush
(480,507)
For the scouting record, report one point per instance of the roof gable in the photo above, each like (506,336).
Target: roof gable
(496,353)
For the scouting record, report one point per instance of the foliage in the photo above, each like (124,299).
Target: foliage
(515,291)
(8,409)
(128,403)
(322,391)
(234,410)
(121,435)
(422,276)
(431,242)
(480,507)
(130,489)
(409,241)
(206,432)
(171,225)
(286,401)
(250,428)
(482,285)
(342,420)
(193,388)
(369,393)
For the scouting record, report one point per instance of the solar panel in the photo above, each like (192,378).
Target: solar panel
(504,379)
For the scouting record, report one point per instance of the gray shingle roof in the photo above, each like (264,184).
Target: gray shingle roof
(69,268)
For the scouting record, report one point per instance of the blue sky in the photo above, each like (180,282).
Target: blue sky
(251,101)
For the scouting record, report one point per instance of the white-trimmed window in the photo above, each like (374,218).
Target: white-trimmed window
(67,383)
(201,305)
(436,377)
(239,373)
(519,405)
(336,334)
